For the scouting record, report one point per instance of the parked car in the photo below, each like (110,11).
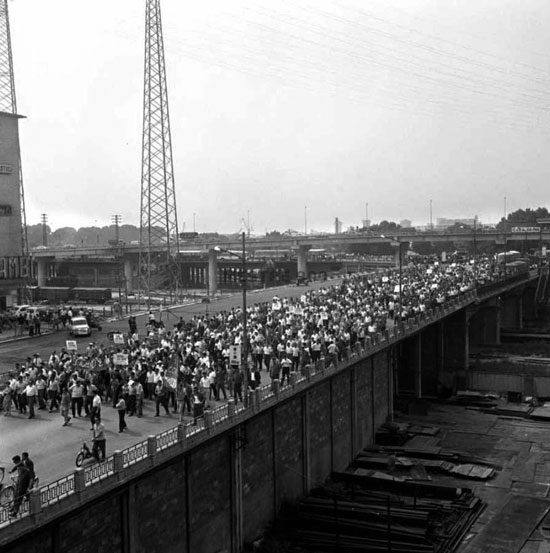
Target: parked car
(78,326)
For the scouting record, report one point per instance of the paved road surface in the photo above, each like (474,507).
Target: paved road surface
(53,447)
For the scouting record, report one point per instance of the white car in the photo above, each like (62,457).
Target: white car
(78,326)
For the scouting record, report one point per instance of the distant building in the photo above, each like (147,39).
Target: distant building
(14,266)
(366,223)
(405,223)
(337,226)
(443,222)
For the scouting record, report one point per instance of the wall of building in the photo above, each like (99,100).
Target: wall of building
(10,202)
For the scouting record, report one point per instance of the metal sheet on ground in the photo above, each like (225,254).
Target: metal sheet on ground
(511,527)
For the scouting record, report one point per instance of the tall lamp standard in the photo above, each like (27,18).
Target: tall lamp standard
(244,352)
(399,244)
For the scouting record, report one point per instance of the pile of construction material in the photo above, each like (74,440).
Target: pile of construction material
(348,517)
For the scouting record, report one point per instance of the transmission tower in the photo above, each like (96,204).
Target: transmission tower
(8,104)
(159,223)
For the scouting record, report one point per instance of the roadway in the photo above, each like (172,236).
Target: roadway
(52,447)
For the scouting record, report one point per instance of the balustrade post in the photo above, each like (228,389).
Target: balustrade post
(358,348)
(293,378)
(118,461)
(208,422)
(348,353)
(231,408)
(257,398)
(307,371)
(151,446)
(321,366)
(276,386)
(79,480)
(182,433)
(35,502)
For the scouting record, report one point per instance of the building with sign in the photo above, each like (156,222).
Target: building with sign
(14,265)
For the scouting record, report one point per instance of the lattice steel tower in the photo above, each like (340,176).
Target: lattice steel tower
(159,223)
(8,103)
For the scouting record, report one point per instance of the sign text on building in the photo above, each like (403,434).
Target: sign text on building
(14,267)
(5,169)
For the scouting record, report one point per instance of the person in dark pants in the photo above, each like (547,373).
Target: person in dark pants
(98,448)
(198,404)
(238,386)
(23,483)
(161,394)
(121,408)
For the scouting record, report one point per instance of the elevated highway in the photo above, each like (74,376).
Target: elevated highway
(212,486)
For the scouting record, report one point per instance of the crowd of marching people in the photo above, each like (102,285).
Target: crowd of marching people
(180,370)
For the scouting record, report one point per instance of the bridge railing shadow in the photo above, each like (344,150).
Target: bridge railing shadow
(184,436)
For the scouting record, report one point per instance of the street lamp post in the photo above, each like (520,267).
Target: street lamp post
(244,347)
(398,243)
(245,326)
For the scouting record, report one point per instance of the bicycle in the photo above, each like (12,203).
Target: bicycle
(7,492)
(86,453)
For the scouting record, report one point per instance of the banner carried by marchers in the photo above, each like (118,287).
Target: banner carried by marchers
(171,373)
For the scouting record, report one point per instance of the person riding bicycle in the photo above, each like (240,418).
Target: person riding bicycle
(98,440)
(21,485)
(26,460)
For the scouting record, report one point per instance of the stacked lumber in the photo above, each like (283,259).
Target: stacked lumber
(348,518)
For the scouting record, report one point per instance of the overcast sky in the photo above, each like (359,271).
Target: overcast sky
(278,105)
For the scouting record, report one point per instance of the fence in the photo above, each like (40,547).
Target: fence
(190,434)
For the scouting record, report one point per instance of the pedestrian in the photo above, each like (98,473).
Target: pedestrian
(22,485)
(131,405)
(6,401)
(198,404)
(121,408)
(99,441)
(180,398)
(53,391)
(238,386)
(139,398)
(77,397)
(65,405)
(95,412)
(31,393)
(27,461)
(161,398)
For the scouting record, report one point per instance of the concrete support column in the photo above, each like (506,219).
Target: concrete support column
(520,312)
(41,272)
(212,272)
(418,367)
(128,275)
(456,351)
(302,260)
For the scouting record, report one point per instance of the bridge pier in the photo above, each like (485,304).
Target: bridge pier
(212,272)
(456,351)
(302,260)
(41,271)
(512,310)
(485,324)
(128,275)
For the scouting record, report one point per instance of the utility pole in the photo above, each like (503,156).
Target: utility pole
(117,219)
(44,221)
(158,223)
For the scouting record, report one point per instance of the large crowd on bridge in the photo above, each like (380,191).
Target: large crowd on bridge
(181,370)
